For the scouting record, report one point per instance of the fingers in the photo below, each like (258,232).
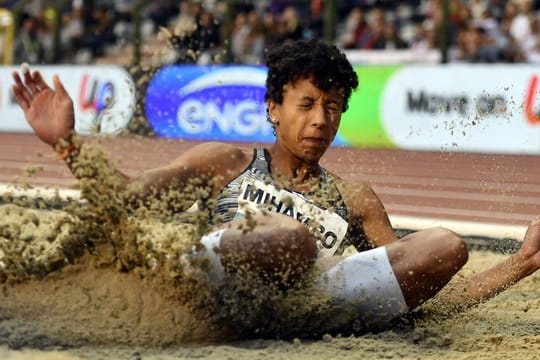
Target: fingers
(29,80)
(58,86)
(41,84)
(21,92)
(19,97)
(33,83)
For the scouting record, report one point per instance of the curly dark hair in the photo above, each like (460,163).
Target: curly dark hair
(304,58)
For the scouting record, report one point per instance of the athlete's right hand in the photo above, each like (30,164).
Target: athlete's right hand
(48,111)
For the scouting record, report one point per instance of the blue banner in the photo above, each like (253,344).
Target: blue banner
(218,103)
(224,103)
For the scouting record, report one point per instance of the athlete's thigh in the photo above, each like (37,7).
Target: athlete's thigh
(423,262)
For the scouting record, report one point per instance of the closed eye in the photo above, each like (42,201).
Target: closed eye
(333,107)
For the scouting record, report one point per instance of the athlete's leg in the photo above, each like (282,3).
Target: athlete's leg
(273,246)
(425,261)
(376,286)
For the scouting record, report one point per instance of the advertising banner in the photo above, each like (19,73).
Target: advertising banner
(465,107)
(478,108)
(209,103)
(103,97)
(486,109)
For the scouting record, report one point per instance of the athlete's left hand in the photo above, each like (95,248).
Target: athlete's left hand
(530,248)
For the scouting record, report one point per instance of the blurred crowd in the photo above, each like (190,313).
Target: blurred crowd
(484,31)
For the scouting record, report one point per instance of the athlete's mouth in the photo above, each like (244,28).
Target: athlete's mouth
(315,140)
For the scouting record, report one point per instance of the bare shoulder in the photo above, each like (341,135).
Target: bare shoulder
(358,195)
(348,188)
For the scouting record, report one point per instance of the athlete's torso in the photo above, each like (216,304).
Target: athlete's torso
(322,210)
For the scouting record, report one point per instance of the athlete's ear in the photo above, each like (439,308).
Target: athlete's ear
(273,110)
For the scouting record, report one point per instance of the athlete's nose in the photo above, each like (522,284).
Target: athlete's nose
(319,117)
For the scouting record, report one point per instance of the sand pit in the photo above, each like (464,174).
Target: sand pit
(85,306)
(93,281)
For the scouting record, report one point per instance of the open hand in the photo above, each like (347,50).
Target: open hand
(530,248)
(48,111)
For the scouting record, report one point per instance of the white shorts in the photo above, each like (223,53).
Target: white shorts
(215,270)
(365,289)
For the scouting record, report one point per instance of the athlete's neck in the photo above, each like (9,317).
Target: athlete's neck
(284,163)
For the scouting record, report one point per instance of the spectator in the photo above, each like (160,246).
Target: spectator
(475,47)
(162,12)
(270,29)
(99,32)
(424,37)
(28,47)
(373,37)
(46,34)
(73,31)
(520,27)
(289,26)
(207,31)
(255,42)
(315,25)
(239,36)
(510,47)
(392,40)
(530,43)
(353,28)
(478,29)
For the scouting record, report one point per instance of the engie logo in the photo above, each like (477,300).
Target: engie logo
(533,117)
(209,103)
(95,95)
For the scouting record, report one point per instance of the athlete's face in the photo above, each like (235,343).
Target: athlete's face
(308,119)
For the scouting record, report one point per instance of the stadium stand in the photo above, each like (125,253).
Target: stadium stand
(189,31)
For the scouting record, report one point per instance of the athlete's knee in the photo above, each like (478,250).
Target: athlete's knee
(290,235)
(304,240)
(277,248)
(452,248)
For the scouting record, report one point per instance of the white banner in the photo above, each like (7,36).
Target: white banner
(393,57)
(463,108)
(103,97)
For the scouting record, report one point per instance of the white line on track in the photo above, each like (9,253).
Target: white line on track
(463,228)
(44,192)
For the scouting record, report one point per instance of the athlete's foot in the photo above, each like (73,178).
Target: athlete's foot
(530,248)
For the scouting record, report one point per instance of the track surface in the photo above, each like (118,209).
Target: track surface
(501,189)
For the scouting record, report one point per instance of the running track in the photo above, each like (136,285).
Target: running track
(487,188)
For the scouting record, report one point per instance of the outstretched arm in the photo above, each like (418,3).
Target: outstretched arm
(485,285)
(50,113)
